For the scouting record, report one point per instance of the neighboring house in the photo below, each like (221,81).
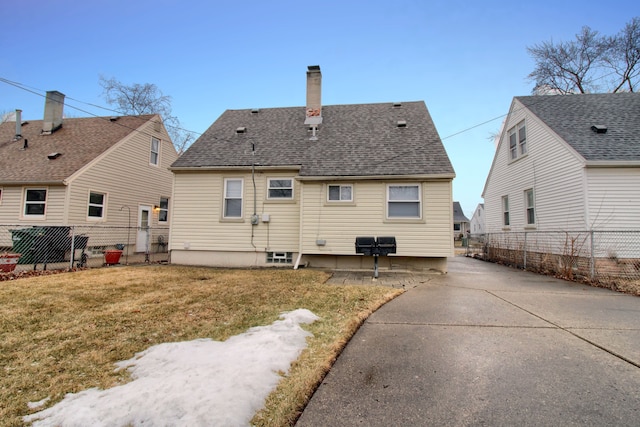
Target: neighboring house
(567,162)
(296,186)
(460,221)
(477,220)
(110,171)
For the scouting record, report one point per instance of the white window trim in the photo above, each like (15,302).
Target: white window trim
(157,153)
(528,207)
(341,200)
(515,130)
(288,199)
(419,201)
(163,209)
(505,211)
(224,199)
(24,203)
(104,207)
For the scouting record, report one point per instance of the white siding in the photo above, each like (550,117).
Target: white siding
(550,167)
(614,198)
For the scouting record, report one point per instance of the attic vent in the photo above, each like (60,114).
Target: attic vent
(241,129)
(402,123)
(397,105)
(599,128)
(53,156)
(113,118)
(255,111)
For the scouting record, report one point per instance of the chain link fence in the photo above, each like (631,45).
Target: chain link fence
(51,247)
(606,258)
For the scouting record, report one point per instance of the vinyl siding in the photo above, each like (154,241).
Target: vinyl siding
(12,205)
(550,168)
(197,216)
(339,224)
(614,198)
(126,177)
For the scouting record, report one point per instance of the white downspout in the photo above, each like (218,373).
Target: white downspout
(297,264)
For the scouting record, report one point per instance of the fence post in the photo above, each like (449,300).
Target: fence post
(73,247)
(524,251)
(593,259)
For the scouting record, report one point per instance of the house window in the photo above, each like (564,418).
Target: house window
(529,203)
(163,213)
(96,205)
(518,140)
(505,211)
(340,193)
(403,201)
(233,198)
(35,202)
(155,151)
(456,226)
(0,196)
(279,258)
(280,188)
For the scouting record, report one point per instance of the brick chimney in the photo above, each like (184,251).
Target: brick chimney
(53,106)
(314,89)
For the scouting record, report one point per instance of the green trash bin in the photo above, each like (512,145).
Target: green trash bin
(24,241)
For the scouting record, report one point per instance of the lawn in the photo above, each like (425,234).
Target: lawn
(63,333)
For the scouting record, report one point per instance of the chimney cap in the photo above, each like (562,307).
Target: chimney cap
(313,68)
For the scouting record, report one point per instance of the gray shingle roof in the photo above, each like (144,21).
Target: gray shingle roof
(353,140)
(79,141)
(458,214)
(571,117)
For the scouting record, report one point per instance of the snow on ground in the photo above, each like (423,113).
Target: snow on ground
(195,383)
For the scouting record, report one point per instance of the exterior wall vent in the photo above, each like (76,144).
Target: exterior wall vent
(402,123)
(599,128)
(241,129)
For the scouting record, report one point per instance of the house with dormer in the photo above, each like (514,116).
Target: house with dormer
(84,171)
(567,162)
(296,186)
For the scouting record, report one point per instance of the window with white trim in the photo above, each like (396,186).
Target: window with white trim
(163,213)
(404,201)
(530,206)
(518,141)
(280,188)
(96,205)
(505,211)
(233,197)
(340,193)
(35,202)
(155,151)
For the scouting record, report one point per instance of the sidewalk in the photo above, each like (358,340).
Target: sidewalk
(488,345)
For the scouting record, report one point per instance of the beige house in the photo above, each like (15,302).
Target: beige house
(296,186)
(109,171)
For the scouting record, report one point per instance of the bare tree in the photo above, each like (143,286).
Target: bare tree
(588,63)
(624,56)
(146,98)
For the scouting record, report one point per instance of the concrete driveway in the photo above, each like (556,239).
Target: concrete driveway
(489,345)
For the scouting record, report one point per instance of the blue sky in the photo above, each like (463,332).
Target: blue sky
(465,59)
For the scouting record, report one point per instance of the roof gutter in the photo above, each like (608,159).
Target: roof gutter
(444,176)
(231,168)
(612,163)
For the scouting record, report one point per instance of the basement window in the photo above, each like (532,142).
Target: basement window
(279,257)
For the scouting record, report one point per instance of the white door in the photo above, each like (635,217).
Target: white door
(144,220)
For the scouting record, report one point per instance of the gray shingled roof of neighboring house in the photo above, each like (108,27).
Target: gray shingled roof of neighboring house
(353,140)
(458,215)
(571,117)
(79,141)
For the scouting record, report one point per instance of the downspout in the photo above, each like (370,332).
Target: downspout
(297,264)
